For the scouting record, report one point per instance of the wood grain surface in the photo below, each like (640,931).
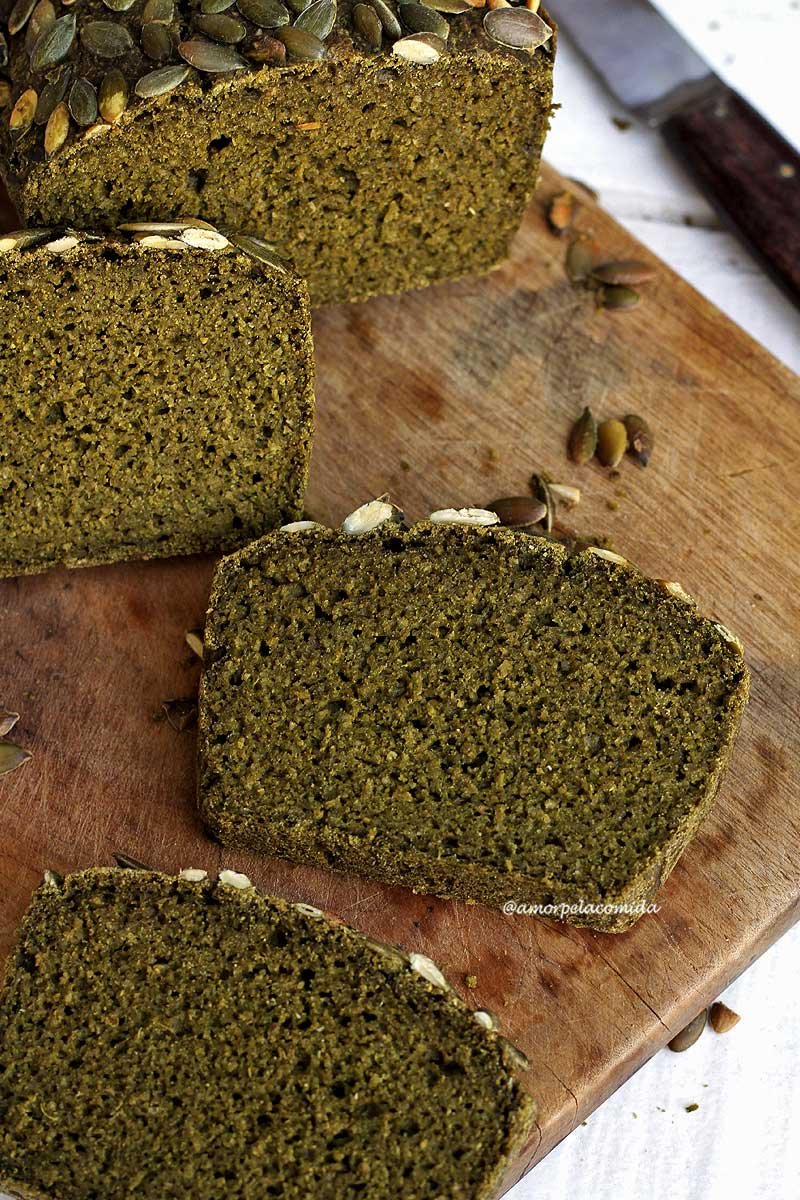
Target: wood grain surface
(451,397)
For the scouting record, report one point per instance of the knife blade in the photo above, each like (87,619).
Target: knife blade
(748,170)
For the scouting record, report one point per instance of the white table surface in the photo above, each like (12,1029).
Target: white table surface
(742,1143)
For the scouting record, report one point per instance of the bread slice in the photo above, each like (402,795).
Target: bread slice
(166,1038)
(465,710)
(158,393)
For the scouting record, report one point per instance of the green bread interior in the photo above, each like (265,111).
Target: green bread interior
(465,711)
(164,1039)
(155,403)
(409,174)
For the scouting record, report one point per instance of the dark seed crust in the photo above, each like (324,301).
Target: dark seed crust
(165,1037)
(469,712)
(158,401)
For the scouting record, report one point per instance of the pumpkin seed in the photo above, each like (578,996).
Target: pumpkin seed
(161,81)
(300,44)
(83,102)
(162,11)
(23,239)
(113,96)
(22,114)
(266,49)
(54,44)
(582,441)
(20,15)
(421,19)
(42,18)
(517,28)
(181,714)
(130,864)
(119,5)
(215,6)
(221,27)
(11,757)
(721,1018)
(689,1034)
(518,512)
(106,39)
(541,490)
(579,260)
(267,14)
(421,48)
(454,7)
(297,6)
(387,17)
(319,18)
(211,58)
(626,271)
(56,130)
(156,41)
(257,249)
(7,722)
(52,94)
(618,297)
(368,25)
(640,439)
(612,442)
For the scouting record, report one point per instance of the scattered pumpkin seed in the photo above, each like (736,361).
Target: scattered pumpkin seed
(52,94)
(7,722)
(541,490)
(421,48)
(517,28)
(565,493)
(640,439)
(215,6)
(518,512)
(181,714)
(297,6)
(626,271)
(211,58)
(689,1034)
(56,130)
(582,441)
(453,7)
(387,17)
(368,25)
(561,212)
(22,114)
(421,19)
(194,640)
(156,42)
(266,49)
(20,15)
(42,18)
(267,14)
(258,249)
(54,44)
(721,1018)
(579,260)
(11,757)
(300,44)
(619,297)
(119,5)
(113,96)
(612,442)
(83,102)
(319,18)
(162,11)
(106,39)
(160,81)
(221,27)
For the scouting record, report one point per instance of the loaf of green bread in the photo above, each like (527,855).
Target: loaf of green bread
(157,387)
(167,1038)
(380,145)
(463,709)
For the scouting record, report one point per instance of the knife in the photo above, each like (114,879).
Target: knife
(749,172)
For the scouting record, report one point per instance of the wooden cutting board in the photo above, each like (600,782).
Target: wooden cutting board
(452,397)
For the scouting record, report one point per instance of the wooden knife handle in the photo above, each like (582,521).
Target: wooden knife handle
(750,173)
